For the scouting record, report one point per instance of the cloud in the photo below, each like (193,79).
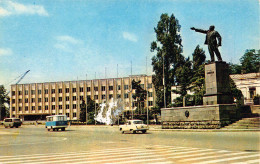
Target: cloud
(67,43)
(14,8)
(129,36)
(5,52)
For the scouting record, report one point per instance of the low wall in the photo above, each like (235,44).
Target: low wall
(199,117)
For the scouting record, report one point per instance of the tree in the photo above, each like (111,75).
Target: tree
(4,103)
(168,50)
(90,110)
(250,61)
(140,94)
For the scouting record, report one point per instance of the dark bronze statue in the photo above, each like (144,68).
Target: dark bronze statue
(211,40)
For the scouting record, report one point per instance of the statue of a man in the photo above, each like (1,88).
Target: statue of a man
(211,40)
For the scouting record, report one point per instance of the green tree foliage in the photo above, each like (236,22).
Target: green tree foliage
(90,110)
(168,50)
(4,103)
(140,93)
(250,61)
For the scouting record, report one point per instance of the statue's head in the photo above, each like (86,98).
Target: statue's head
(211,28)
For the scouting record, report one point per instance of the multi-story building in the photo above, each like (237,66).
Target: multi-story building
(37,100)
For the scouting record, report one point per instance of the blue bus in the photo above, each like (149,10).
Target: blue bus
(56,122)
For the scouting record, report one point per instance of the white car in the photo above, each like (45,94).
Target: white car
(134,126)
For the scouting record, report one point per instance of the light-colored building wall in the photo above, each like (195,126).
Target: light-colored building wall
(249,84)
(65,97)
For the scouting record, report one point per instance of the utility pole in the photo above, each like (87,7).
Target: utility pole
(147,105)
(95,101)
(86,99)
(164,84)
(131,103)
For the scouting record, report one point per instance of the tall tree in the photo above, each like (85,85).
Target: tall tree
(90,110)
(168,50)
(250,61)
(4,103)
(140,94)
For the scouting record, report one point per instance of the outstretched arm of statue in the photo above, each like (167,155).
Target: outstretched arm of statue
(199,30)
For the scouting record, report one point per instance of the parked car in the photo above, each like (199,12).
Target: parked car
(12,122)
(56,122)
(134,126)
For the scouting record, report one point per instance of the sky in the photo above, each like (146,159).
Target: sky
(66,40)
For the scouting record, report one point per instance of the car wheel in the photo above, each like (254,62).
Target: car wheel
(123,132)
(48,129)
(144,131)
(134,132)
(62,129)
(6,127)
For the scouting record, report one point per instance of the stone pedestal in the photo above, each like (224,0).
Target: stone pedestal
(217,84)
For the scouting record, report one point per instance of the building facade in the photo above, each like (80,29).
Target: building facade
(37,100)
(249,84)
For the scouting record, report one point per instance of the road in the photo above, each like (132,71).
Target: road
(105,144)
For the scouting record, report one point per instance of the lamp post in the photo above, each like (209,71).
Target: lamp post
(86,99)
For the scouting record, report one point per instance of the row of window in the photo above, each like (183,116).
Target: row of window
(74,98)
(67,90)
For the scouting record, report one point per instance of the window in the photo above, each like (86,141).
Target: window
(39,107)
(13,108)
(150,103)
(95,88)
(20,108)
(74,98)
(74,114)
(33,99)
(20,100)
(13,101)
(103,96)
(88,89)
(13,93)
(96,97)
(110,88)
(125,87)
(46,91)
(46,107)
(119,87)
(60,90)
(150,94)
(81,89)
(39,99)
(60,98)
(26,92)
(74,106)
(67,98)
(67,90)
(60,106)
(118,96)
(46,99)
(150,85)
(110,96)
(52,91)
(26,108)
(33,107)
(81,97)
(53,99)
(26,100)
(53,107)
(74,90)
(32,92)
(39,91)
(103,88)
(126,95)
(67,114)
(19,92)
(67,106)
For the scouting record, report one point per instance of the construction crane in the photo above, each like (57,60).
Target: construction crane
(19,78)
